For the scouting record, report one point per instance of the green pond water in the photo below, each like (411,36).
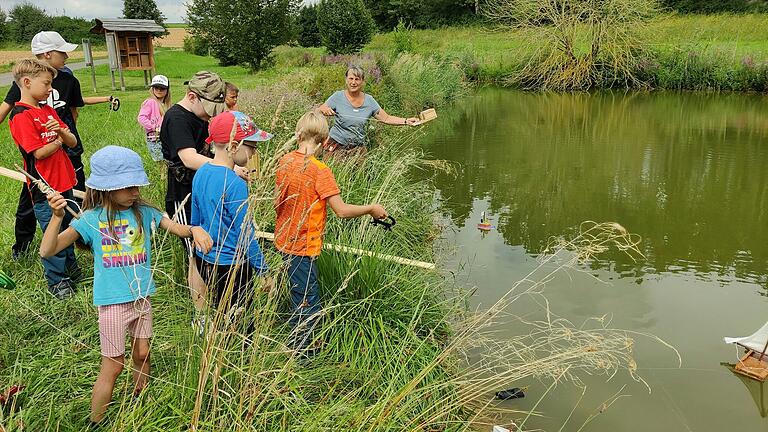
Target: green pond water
(687,172)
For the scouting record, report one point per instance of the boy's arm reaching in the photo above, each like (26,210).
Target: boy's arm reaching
(200,237)
(344,210)
(54,242)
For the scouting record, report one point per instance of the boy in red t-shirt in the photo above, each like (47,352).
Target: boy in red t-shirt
(40,135)
(304,185)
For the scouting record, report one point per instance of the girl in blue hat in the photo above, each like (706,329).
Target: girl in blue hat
(116,225)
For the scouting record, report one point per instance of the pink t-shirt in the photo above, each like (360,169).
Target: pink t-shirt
(150,117)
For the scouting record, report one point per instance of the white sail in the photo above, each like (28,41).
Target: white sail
(756,341)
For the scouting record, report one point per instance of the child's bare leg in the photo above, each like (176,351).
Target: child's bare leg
(140,357)
(105,383)
(198,289)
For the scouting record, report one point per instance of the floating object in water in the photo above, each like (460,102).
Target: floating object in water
(6,281)
(485,224)
(388,222)
(513,393)
(8,394)
(753,364)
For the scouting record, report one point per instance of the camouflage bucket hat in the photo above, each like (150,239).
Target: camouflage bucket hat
(211,89)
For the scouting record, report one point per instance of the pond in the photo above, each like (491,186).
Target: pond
(686,172)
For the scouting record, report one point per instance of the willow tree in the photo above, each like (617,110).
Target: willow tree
(577,44)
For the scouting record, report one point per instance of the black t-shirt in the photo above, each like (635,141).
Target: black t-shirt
(181,129)
(65,95)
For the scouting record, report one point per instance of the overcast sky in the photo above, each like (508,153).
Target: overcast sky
(174,10)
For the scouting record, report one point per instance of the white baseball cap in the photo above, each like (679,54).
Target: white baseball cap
(46,41)
(160,81)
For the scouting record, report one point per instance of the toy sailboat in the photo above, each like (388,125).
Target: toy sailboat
(485,224)
(754,363)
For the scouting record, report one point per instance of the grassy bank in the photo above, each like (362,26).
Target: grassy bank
(380,366)
(720,52)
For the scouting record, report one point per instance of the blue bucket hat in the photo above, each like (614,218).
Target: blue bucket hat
(115,167)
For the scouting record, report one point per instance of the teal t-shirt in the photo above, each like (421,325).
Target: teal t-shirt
(121,258)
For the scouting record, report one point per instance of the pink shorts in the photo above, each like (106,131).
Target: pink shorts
(133,318)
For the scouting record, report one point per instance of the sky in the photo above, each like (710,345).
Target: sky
(174,10)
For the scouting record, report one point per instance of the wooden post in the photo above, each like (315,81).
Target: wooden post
(89,61)
(114,55)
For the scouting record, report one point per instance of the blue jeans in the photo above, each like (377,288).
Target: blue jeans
(56,267)
(305,297)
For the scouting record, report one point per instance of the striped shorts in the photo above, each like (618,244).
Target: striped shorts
(133,318)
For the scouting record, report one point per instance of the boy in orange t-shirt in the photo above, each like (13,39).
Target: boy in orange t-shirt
(304,186)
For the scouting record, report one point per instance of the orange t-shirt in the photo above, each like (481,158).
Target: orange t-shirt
(303,184)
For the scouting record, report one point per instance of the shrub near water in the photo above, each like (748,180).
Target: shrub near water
(415,83)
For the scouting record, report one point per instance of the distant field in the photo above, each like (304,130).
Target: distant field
(175,38)
(7,57)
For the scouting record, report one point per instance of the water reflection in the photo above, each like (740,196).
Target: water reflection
(686,172)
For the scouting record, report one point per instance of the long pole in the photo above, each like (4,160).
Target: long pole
(15,175)
(396,259)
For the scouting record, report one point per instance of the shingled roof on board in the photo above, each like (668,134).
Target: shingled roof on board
(126,25)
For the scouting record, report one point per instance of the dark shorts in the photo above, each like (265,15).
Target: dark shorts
(229,285)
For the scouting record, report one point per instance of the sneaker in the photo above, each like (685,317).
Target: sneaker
(62,290)
(198,324)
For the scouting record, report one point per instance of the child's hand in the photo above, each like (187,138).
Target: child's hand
(378,212)
(57,203)
(412,121)
(203,241)
(242,172)
(52,125)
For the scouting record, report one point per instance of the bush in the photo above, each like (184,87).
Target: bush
(421,14)
(3,26)
(309,35)
(693,69)
(345,25)
(235,30)
(74,29)
(414,83)
(402,38)
(194,45)
(26,21)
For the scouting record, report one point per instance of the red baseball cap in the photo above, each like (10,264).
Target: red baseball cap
(234,126)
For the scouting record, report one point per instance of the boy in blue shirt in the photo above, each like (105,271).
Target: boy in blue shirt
(220,206)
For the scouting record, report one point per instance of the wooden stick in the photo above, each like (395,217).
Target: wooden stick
(405,261)
(15,175)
